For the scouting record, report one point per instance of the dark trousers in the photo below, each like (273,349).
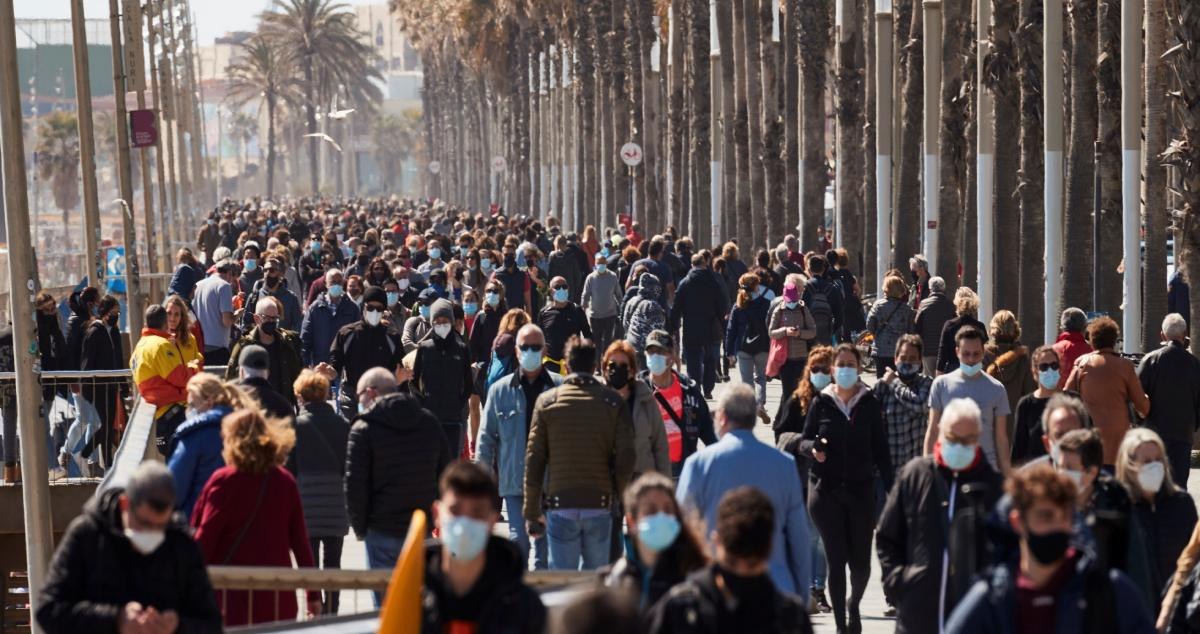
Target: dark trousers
(332,560)
(790,374)
(845,518)
(216,356)
(454,437)
(701,360)
(1179,454)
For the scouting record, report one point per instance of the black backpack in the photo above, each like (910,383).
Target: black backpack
(822,312)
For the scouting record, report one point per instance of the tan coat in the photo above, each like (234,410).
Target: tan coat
(783,318)
(649,433)
(1108,384)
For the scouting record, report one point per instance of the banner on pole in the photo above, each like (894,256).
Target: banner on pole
(142,132)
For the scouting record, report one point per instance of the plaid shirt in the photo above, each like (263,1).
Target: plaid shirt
(906,416)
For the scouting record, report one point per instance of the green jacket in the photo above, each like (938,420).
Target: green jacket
(580,446)
(286,363)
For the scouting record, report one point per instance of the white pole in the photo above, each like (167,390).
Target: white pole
(933,106)
(985,170)
(1053,108)
(1131,166)
(883,138)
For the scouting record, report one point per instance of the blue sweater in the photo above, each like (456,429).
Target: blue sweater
(196,455)
(321,325)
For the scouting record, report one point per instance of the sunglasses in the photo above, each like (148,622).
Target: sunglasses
(374,308)
(530,347)
(614,364)
(818,369)
(1043,367)
(559,288)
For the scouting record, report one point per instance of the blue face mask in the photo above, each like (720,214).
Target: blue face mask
(820,380)
(560,294)
(392,298)
(485,264)
(424,310)
(470,308)
(957,456)
(463,251)
(656,363)
(846,377)
(605,251)
(600,268)
(658,531)
(972,369)
(250,264)
(530,360)
(1049,379)
(336,291)
(791,305)
(492,299)
(315,246)
(464,537)
(435,253)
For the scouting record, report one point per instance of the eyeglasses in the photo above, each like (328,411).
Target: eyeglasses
(1044,367)
(531,347)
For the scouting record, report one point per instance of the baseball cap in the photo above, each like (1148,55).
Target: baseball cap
(659,339)
(254,357)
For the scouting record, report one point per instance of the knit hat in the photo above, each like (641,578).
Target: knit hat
(441,308)
(374,294)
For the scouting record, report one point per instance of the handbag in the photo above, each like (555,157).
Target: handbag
(777,356)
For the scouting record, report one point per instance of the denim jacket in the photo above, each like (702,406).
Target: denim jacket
(503,432)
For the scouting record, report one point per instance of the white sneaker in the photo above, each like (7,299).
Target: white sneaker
(57,473)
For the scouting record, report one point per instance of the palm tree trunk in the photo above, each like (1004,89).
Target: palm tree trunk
(849,108)
(676,115)
(1031,307)
(774,179)
(1081,157)
(310,117)
(537,132)
(952,145)
(1000,75)
(729,163)
(741,131)
(1108,79)
(1154,175)
(754,105)
(1184,150)
(791,114)
(907,226)
(648,180)
(969,200)
(270,145)
(866,262)
(586,83)
(618,115)
(700,84)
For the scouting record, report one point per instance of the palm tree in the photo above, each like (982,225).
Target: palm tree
(752,60)
(1081,157)
(790,35)
(1000,74)
(699,81)
(646,85)
(1032,178)
(1108,80)
(677,113)
(952,141)
(772,125)
(849,98)
(910,29)
(58,160)
(265,73)
(729,166)
(323,38)
(741,130)
(396,138)
(243,128)
(1183,60)
(1154,174)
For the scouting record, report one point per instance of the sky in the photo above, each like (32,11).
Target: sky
(213,17)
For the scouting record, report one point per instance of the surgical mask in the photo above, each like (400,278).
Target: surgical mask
(392,298)
(464,537)
(530,360)
(1055,453)
(250,264)
(315,246)
(402,283)
(908,371)
(656,363)
(791,305)
(971,369)
(372,317)
(424,311)
(957,456)
(492,299)
(145,542)
(600,268)
(485,264)
(820,380)
(846,377)
(1075,476)
(1150,476)
(1049,379)
(1047,548)
(560,294)
(463,251)
(470,308)
(658,531)
(441,330)
(435,253)
(336,291)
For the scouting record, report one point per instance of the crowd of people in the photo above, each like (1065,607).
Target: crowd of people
(380,357)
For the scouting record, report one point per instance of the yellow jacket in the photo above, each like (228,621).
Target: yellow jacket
(162,366)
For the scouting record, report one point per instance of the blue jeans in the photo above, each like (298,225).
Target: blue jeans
(701,360)
(382,552)
(81,431)
(753,370)
(518,535)
(578,543)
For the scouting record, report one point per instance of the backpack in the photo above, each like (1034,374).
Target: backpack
(822,312)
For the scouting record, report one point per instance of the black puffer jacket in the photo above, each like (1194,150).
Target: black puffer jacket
(1166,526)
(95,572)
(319,463)
(502,602)
(856,444)
(394,455)
(697,606)
(442,377)
(913,533)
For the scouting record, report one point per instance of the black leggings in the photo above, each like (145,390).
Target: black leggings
(845,518)
(331,560)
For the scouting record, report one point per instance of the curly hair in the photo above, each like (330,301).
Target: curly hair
(254,443)
(512,321)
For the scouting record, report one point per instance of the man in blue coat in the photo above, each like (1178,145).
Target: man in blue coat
(326,316)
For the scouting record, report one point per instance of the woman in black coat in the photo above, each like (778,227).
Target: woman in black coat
(319,463)
(966,306)
(102,350)
(844,433)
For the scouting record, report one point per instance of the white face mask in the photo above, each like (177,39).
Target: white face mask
(1076,477)
(1055,453)
(441,330)
(373,317)
(1150,476)
(145,542)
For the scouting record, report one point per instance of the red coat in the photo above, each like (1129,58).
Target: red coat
(1069,346)
(276,533)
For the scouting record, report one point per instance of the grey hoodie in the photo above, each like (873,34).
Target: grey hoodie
(601,294)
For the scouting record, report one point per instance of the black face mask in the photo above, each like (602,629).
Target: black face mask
(272,282)
(916,276)
(269,328)
(617,376)
(510,262)
(907,372)
(1047,548)
(111,320)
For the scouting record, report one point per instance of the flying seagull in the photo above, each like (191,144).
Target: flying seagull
(326,138)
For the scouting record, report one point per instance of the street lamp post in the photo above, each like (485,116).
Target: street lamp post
(1131,166)
(985,171)
(884,21)
(1052,91)
(933,111)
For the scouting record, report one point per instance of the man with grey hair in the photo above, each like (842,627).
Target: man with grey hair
(327,314)
(739,459)
(932,314)
(1063,414)
(1170,376)
(918,266)
(1071,344)
(954,482)
(282,346)
(128,564)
